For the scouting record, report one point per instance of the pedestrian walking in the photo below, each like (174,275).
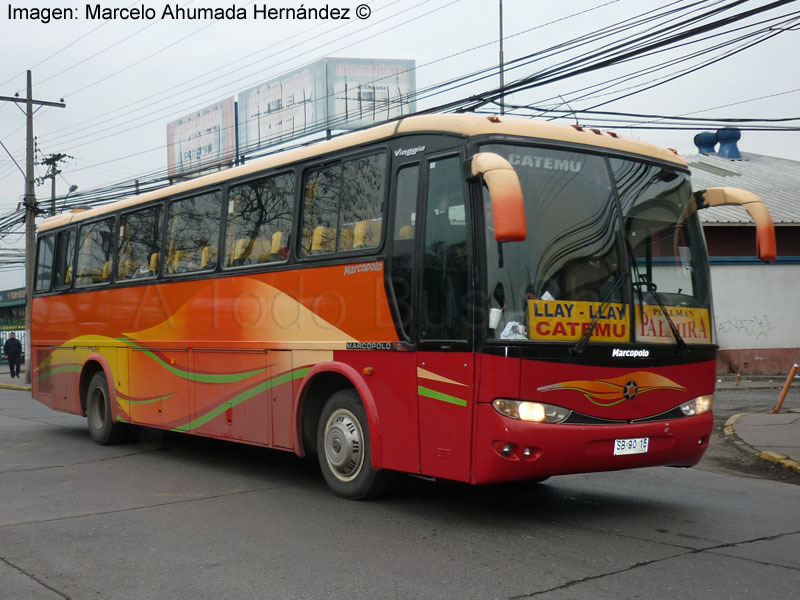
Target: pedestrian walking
(12,350)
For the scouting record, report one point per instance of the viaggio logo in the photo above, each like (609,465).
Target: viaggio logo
(620,353)
(409,151)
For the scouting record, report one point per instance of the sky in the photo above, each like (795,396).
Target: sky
(124,79)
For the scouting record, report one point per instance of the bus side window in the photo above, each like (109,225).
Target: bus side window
(44,264)
(95,255)
(343,206)
(403,247)
(139,237)
(65,254)
(362,199)
(322,197)
(258,211)
(193,225)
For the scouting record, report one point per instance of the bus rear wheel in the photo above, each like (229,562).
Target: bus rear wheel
(102,428)
(343,448)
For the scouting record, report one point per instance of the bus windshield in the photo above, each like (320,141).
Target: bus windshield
(610,241)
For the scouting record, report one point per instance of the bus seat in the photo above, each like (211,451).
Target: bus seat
(129,269)
(406,232)
(261,250)
(179,260)
(154,262)
(277,250)
(208,258)
(367,234)
(241,251)
(346,238)
(68,276)
(323,240)
(106,271)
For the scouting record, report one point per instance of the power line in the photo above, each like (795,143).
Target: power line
(57,52)
(458,82)
(210,80)
(62,142)
(198,105)
(620,52)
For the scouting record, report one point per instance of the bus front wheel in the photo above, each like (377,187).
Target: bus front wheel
(343,448)
(102,428)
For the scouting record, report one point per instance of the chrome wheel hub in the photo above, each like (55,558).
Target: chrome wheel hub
(344,445)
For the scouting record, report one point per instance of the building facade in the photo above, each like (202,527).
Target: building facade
(12,314)
(754,303)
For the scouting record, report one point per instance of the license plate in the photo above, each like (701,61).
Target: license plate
(631,446)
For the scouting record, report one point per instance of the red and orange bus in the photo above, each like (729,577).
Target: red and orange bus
(481,299)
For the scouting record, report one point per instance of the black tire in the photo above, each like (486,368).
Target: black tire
(343,448)
(102,428)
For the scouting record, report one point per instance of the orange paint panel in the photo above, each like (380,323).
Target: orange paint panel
(327,305)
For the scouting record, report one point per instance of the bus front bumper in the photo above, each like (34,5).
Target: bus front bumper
(508,449)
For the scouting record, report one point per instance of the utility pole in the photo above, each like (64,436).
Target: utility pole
(502,75)
(52,170)
(30,210)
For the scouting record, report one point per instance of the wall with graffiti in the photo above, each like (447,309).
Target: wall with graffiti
(756,316)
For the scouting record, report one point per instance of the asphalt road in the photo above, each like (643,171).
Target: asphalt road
(180,517)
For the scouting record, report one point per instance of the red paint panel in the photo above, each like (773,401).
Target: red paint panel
(540,381)
(445,427)
(564,449)
(394,389)
(499,377)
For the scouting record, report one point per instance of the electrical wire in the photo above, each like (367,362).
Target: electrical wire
(630,53)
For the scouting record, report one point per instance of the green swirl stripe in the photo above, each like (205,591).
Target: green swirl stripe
(245,395)
(146,401)
(429,393)
(50,371)
(189,375)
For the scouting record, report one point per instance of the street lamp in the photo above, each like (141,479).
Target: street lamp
(72,188)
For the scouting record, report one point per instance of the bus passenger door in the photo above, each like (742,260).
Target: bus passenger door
(445,363)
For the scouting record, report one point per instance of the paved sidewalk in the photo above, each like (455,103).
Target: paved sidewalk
(6,382)
(774,438)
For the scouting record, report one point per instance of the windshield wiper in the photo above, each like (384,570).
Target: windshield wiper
(651,287)
(581,345)
(643,282)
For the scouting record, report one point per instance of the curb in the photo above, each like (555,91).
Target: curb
(730,423)
(779,459)
(12,386)
(767,455)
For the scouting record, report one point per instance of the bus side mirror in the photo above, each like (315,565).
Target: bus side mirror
(508,206)
(766,246)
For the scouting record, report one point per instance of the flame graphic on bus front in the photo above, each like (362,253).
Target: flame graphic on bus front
(609,392)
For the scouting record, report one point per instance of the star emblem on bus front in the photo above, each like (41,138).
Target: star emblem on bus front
(613,391)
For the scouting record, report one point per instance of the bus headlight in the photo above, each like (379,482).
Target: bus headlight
(697,406)
(537,412)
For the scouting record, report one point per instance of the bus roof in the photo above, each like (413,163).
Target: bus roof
(467,125)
